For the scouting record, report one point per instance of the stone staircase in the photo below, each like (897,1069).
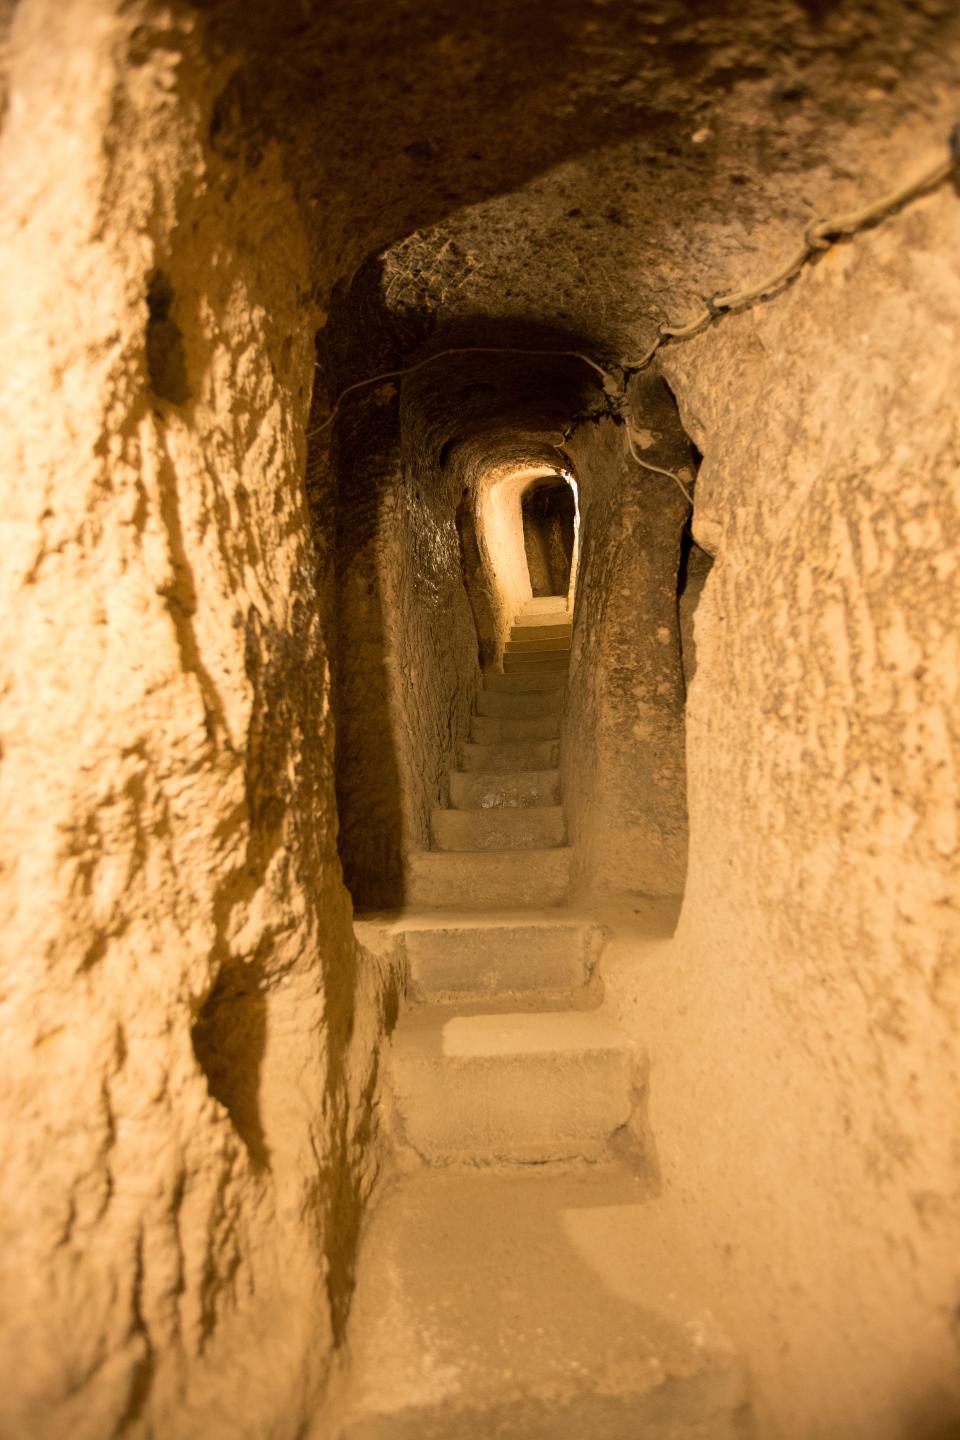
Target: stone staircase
(502,841)
(513,1284)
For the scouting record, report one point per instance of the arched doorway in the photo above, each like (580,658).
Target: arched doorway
(549,517)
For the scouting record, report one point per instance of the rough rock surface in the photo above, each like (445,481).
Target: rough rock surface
(623,758)
(190,1031)
(407,654)
(188,1028)
(804,1073)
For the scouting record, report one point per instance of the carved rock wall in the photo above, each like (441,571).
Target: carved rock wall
(804,1023)
(189,1032)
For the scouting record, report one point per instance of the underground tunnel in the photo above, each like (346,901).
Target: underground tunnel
(548,512)
(478,727)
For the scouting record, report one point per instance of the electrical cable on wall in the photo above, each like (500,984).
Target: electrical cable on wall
(818,236)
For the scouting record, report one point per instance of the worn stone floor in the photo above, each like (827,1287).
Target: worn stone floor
(516,1279)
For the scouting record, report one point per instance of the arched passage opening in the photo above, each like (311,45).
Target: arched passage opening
(528,530)
(549,517)
(431,578)
(488,547)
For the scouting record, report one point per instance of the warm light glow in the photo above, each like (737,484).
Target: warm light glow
(500,537)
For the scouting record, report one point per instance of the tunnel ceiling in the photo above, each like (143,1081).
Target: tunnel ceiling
(515,169)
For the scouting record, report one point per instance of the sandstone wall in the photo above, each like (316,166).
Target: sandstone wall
(407,666)
(622,755)
(369,788)
(432,656)
(804,1024)
(500,530)
(188,1030)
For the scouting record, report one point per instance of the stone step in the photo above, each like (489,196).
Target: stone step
(527,828)
(530,634)
(538,645)
(476,956)
(494,729)
(534,1305)
(543,617)
(480,879)
(543,604)
(532,664)
(511,755)
(522,702)
(489,789)
(532,1087)
(554,683)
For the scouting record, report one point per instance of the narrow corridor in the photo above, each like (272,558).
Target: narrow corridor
(512,1280)
(478,720)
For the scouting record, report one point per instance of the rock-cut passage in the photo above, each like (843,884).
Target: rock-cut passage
(513,1282)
